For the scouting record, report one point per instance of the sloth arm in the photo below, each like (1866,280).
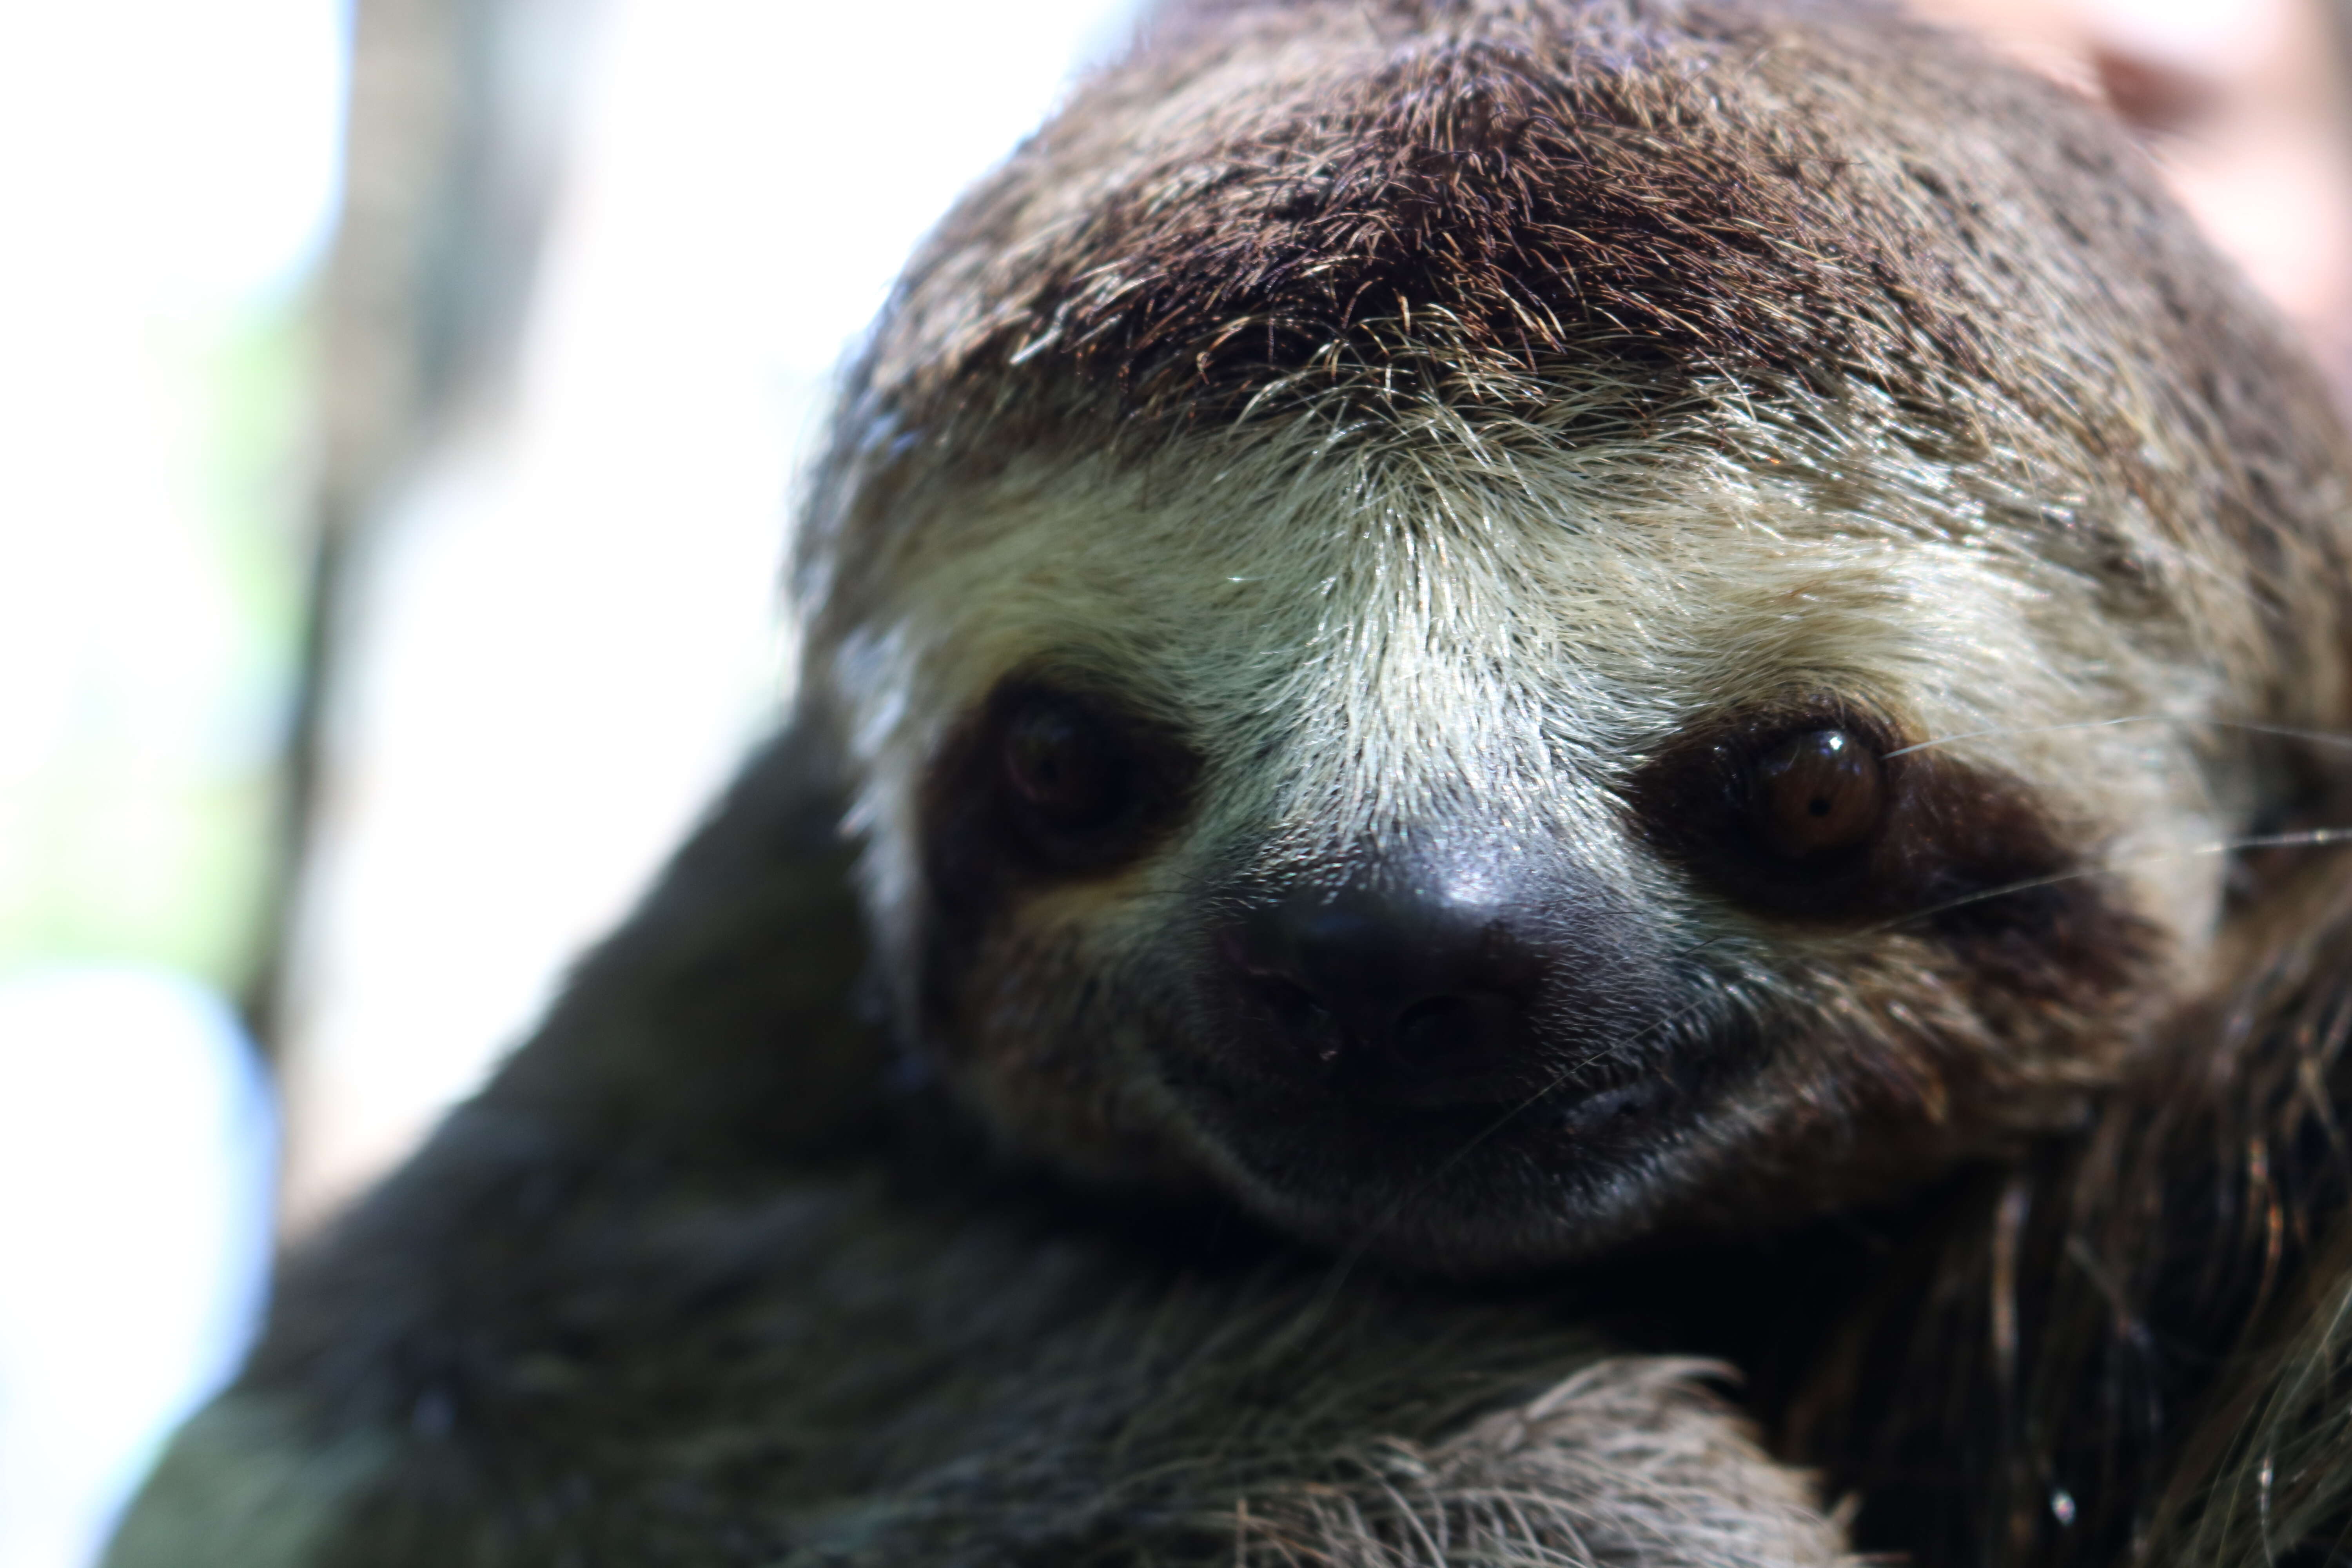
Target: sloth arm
(690,1283)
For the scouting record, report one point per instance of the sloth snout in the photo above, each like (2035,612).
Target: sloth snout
(1404,985)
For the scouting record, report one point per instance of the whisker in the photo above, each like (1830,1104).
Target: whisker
(2246,726)
(2035,730)
(1356,1251)
(1346,1262)
(2306,838)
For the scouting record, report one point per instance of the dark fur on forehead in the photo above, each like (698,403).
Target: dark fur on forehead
(1289,199)
(1638,211)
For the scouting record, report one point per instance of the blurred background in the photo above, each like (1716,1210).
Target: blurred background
(399,407)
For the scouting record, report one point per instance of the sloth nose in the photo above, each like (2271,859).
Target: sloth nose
(1399,989)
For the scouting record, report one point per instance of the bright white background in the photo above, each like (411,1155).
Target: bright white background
(568,634)
(565,633)
(564,639)
(167,179)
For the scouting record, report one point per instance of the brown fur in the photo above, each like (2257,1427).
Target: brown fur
(694,1282)
(2144,1320)
(2008,1170)
(1500,225)
(1457,235)
(1257,213)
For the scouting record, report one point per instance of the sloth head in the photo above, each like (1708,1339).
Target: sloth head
(1496,627)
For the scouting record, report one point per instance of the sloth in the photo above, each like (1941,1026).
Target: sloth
(1504,703)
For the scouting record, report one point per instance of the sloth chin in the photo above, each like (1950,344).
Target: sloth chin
(1698,1134)
(1551,1175)
(1439,1085)
(1663,1128)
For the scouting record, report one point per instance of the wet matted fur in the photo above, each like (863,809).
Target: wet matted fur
(1443,470)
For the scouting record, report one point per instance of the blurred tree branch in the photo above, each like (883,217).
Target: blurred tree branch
(457,120)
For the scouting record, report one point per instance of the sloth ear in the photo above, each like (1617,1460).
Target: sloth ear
(722,1022)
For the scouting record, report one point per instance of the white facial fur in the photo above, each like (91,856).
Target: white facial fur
(1361,635)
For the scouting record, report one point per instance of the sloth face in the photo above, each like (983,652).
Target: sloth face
(1487,867)
(1501,627)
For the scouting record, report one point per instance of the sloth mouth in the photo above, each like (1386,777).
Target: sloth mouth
(1601,1128)
(1437,1002)
(1596,1099)
(1392,1055)
(1558,1153)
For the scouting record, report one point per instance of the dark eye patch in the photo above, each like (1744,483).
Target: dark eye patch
(1061,779)
(1051,778)
(1820,810)
(1070,772)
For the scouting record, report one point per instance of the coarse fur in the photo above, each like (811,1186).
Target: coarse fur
(1704,423)
(690,1283)
(1437,459)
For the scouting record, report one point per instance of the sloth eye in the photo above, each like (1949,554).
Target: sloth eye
(1048,781)
(1816,794)
(1796,812)
(1063,765)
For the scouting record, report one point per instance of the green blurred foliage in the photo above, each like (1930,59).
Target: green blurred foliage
(140,827)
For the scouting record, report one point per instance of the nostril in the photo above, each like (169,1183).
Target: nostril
(1437,1028)
(1391,990)
(1462,1028)
(1293,1005)
(1416,984)
(1297,1013)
